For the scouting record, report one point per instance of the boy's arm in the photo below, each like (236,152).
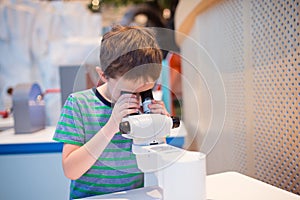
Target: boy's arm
(78,159)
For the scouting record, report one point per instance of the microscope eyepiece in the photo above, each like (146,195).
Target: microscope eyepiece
(147,98)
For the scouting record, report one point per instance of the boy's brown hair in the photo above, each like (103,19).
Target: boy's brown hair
(130,52)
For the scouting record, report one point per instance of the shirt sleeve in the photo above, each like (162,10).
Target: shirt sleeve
(70,127)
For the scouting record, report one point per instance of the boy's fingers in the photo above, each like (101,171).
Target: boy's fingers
(127,101)
(156,106)
(158,102)
(128,97)
(160,111)
(129,111)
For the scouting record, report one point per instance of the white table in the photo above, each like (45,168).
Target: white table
(9,137)
(36,142)
(222,186)
(233,185)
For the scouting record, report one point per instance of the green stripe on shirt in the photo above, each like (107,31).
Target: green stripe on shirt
(117,159)
(121,141)
(70,125)
(69,133)
(71,108)
(94,107)
(96,115)
(107,184)
(117,150)
(114,167)
(68,141)
(70,117)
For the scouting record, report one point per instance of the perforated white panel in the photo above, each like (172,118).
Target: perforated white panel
(233,75)
(275,54)
(256,46)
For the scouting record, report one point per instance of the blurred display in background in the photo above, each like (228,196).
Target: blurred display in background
(37,37)
(148,13)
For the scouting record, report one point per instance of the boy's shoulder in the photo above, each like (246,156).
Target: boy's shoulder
(88,96)
(83,92)
(82,95)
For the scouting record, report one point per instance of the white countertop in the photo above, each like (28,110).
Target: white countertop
(233,185)
(222,186)
(43,136)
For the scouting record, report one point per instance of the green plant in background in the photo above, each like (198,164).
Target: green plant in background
(95,5)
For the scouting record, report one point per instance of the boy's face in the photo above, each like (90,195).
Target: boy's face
(115,86)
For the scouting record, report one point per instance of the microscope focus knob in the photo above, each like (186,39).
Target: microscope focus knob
(124,127)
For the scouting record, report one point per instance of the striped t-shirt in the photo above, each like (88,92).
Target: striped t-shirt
(83,115)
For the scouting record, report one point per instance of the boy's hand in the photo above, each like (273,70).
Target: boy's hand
(158,107)
(125,105)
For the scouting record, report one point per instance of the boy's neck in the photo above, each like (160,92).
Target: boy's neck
(102,89)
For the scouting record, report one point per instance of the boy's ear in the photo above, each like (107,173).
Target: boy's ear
(101,74)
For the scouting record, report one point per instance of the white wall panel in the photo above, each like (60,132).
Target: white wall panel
(255,46)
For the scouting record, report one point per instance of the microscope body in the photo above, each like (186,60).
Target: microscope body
(179,173)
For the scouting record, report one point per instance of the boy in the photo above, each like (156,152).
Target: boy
(95,156)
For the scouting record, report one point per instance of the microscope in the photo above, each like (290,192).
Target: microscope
(177,173)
